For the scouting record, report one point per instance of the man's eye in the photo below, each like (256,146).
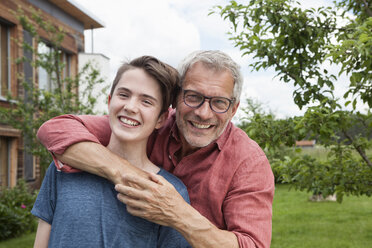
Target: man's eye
(123,95)
(220,103)
(193,98)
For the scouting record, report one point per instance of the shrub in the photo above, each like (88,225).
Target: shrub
(15,206)
(340,175)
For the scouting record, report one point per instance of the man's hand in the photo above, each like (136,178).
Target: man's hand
(155,200)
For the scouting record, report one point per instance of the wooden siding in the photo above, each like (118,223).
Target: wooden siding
(73,43)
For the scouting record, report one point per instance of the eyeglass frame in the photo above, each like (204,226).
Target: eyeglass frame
(231,101)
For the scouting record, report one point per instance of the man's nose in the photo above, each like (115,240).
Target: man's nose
(204,111)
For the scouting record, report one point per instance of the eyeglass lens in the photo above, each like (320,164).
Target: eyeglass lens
(195,100)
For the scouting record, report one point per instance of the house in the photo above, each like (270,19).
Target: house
(305,143)
(14,161)
(101,62)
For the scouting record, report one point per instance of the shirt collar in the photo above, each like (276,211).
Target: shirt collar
(221,141)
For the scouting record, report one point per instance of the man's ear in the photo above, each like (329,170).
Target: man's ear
(235,108)
(161,120)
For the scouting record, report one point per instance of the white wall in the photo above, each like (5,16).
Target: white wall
(102,64)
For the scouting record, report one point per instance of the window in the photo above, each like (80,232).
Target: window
(4,60)
(66,59)
(66,73)
(4,161)
(44,79)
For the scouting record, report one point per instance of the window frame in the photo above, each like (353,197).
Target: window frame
(64,57)
(7,60)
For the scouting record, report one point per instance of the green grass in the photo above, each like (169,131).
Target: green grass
(319,152)
(299,223)
(25,241)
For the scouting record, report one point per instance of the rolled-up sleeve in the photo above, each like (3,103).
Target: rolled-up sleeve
(61,132)
(248,205)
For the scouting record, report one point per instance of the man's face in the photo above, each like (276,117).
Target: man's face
(201,126)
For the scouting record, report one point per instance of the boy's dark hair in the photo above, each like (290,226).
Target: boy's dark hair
(167,77)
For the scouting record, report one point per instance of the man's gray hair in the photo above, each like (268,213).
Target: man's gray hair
(217,60)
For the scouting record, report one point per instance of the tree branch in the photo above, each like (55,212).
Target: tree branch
(368,10)
(358,148)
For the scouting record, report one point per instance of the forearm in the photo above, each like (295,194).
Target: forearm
(158,201)
(97,159)
(42,234)
(200,232)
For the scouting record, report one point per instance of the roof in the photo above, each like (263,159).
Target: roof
(78,13)
(305,143)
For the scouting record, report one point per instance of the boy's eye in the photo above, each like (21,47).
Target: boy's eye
(123,94)
(147,102)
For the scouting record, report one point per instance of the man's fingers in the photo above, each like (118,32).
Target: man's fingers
(135,211)
(138,182)
(129,201)
(156,178)
(129,191)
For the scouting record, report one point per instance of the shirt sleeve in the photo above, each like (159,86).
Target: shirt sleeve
(248,205)
(59,133)
(45,203)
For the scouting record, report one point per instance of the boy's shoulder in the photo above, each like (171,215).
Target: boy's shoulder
(176,182)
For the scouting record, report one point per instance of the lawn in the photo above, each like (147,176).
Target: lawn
(299,223)
(319,152)
(25,241)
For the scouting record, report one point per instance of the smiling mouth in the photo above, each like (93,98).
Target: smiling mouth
(129,122)
(200,126)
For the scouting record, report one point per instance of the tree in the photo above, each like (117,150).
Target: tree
(275,136)
(296,42)
(29,111)
(300,44)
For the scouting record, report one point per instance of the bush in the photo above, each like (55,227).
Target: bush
(15,206)
(342,175)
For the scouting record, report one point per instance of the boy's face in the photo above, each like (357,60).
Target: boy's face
(134,106)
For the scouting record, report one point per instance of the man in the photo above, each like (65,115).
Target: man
(228,176)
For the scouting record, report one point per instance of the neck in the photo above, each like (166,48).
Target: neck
(186,149)
(133,152)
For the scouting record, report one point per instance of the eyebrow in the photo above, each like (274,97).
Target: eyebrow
(142,95)
(197,92)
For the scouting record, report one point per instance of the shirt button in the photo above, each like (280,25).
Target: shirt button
(170,157)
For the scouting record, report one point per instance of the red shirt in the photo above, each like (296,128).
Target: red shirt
(230,181)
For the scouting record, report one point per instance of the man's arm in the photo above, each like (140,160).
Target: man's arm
(42,234)
(159,202)
(80,141)
(247,208)
(97,159)
(60,132)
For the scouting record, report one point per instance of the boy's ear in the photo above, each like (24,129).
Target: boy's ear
(108,102)
(161,120)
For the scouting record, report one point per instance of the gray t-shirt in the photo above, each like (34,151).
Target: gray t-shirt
(83,211)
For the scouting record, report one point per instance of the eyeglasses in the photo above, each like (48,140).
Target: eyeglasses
(218,104)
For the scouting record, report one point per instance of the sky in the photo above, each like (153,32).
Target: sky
(170,30)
